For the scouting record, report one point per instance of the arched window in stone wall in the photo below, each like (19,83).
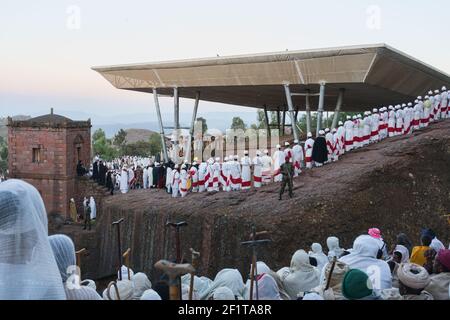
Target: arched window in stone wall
(78,147)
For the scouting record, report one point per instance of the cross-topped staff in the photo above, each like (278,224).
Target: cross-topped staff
(253,243)
(177,227)
(117,223)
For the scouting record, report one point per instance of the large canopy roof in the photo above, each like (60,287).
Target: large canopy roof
(371,75)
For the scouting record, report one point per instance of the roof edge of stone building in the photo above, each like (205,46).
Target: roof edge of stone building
(49,121)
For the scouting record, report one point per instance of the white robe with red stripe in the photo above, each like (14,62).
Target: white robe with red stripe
(209,178)
(235,171)
(184,176)
(444,104)
(246,173)
(375,128)
(330,145)
(193,172)
(391,123)
(349,132)
(216,176)
(309,144)
(278,160)
(399,122)
(257,172)
(341,140)
(202,170)
(266,169)
(297,154)
(437,107)
(225,174)
(336,146)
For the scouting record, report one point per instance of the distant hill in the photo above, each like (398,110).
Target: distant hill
(4,122)
(135,135)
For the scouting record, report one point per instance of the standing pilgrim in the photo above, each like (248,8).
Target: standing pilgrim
(444,103)
(427,105)
(175,181)
(336,145)
(385,117)
(278,160)
(73,210)
(375,126)
(320,152)
(216,174)
(367,123)
(145,177)
(225,175)
(246,172)
(391,122)
(288,152)
(209,178)
(348,126)
(398,120)
(360,140)
(341,137)
(408,118)
(437,105)
(416,116)
(193,172)
(257,170)
(169,177)
(297,152)
(309,144)
(184,176)
(235,174)
(201,176)
(330,143)
(124,180)
(266,167)
(93,208)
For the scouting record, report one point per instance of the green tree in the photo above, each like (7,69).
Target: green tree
(103,146)
(238,123)
(204,125)
(119,138)
(140,149)
(98,134)
(155,144)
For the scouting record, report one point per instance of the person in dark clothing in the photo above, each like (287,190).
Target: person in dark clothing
(110,181)
(95,171)
(102,172)
(287,170)
(156,173)
(320,151)
(87,216)
(81,170)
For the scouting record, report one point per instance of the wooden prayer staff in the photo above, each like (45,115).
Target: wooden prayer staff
(112,283)
(78,255)
(177,226)
(331,273)
(126,259)
(174,272)
(254,244)
(117,223)
(195,256)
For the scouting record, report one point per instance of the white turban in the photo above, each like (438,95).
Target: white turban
(150,294)
(413,276)
(125,288)
(141,283)
(404,252)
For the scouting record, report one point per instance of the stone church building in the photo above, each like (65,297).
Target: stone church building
(45,151)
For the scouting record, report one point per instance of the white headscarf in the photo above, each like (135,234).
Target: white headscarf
(333,248)
(82,293)
(363,257)
(230,278)
(124,271)
(302,275)
(317,253)
(141,283)
(64,252)
(201,284)
(150,294)
(404,251)
(125,288)
(223,293)
(185,292)
(28,269)
(267,289)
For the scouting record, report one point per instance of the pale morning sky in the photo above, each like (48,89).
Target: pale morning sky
(47,49)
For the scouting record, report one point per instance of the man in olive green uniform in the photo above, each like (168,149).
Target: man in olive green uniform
(287,170)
